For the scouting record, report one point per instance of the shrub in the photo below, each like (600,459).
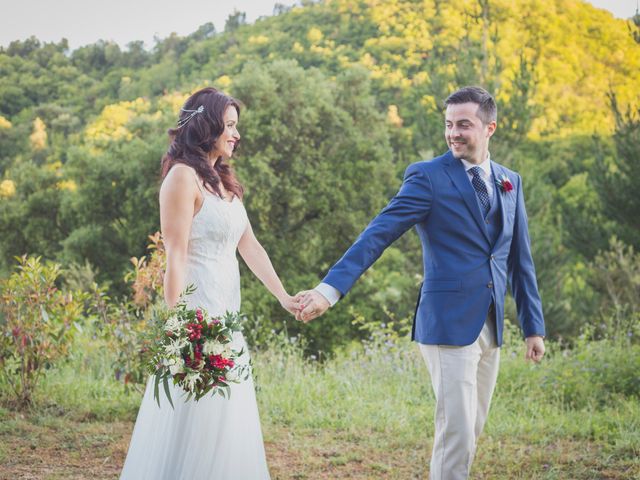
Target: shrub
(127,325)
(37,324)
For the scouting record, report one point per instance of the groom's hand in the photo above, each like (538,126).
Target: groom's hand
(535,348)
(312,305)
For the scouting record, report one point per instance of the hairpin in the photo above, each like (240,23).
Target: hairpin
(192,113)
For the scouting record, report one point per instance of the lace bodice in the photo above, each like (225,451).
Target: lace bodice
(212,265)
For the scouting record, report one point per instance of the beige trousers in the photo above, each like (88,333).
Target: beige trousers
(463,380)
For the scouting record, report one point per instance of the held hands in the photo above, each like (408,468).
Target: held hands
(311,305)
(290,304)
(535,349)
(305,305)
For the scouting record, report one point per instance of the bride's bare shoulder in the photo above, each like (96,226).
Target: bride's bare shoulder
(180,180)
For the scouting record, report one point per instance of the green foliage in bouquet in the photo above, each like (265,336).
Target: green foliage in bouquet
(37,322)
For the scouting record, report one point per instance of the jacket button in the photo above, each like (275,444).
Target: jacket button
(490,285)
(487,221)
(492,257)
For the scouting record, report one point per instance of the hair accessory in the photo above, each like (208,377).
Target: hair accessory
(192,113)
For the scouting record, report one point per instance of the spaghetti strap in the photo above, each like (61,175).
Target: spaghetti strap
(200,187)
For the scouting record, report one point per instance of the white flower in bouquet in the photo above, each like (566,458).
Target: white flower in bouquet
(176,365)
(191,380)
(173,324)
(174,347)
(212,347)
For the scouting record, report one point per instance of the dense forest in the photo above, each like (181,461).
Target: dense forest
(339,97)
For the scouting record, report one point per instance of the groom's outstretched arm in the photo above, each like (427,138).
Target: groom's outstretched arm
(409,206)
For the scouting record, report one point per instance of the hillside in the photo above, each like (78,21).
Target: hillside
(340,96)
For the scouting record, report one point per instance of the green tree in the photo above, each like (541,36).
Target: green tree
(616,177)
(30,219)
(235,20)
(316,163)
(634,26)
(114,207)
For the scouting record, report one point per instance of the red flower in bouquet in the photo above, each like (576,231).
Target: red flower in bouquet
(220,363)
(194,331)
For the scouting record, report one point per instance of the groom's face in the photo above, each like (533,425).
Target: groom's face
(467,136)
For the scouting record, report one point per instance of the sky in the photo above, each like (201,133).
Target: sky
(85,21)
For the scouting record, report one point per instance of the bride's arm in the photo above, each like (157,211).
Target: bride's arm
(259,263)
(178,196)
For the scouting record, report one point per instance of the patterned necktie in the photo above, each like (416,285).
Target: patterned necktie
(481,189)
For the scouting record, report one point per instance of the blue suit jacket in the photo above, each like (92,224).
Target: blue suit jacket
(463,269)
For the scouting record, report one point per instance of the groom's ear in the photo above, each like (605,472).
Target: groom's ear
(491,128)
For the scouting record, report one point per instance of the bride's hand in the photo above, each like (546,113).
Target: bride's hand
(291,304)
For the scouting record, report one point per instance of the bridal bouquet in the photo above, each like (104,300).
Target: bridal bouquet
(194,350)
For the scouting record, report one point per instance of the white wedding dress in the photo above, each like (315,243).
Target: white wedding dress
(215,438)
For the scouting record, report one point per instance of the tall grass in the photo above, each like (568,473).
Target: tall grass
(84,386)
(380,395)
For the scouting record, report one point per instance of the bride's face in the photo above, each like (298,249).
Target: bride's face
(228,139)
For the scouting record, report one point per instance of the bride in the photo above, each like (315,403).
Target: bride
(203,222)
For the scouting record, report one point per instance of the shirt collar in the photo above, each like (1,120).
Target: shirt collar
(485,166)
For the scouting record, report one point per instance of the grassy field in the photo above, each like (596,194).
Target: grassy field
(365,414)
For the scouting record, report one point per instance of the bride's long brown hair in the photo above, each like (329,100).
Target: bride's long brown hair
(192,142)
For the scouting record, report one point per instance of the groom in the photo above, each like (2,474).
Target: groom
(470,215)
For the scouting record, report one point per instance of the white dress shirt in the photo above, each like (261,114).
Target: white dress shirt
(333,295)
(330,293)
(486,176)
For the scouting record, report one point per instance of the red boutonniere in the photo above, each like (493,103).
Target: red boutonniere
(504,184)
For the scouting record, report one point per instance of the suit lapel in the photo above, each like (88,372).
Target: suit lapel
(498,172)
(459,177)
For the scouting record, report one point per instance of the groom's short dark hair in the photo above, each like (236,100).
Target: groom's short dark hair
(487,111)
